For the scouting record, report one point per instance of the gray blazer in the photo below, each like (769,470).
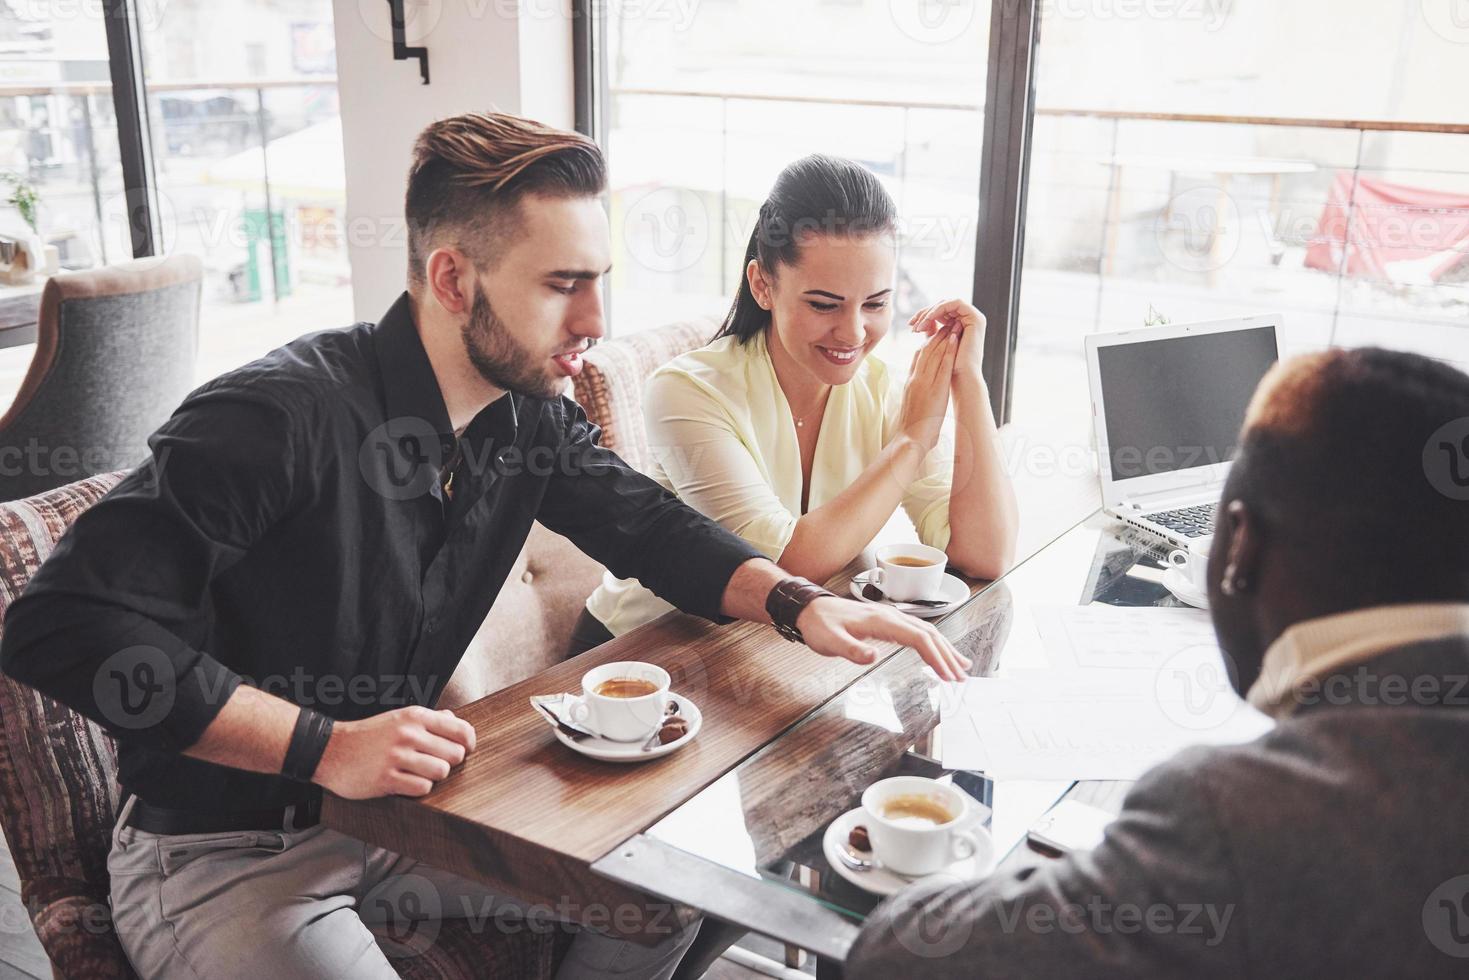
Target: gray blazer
(1335,846)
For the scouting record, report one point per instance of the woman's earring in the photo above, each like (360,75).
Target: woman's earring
(1231,584)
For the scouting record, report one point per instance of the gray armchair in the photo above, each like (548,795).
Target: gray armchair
(115,351)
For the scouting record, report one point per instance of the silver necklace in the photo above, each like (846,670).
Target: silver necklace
(801,420)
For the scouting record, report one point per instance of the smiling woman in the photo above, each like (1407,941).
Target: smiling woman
(788,433)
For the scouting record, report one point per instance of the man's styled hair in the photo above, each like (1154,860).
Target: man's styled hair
(1343,452)
(470,172)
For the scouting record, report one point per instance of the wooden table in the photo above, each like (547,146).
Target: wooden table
(729,849)
(526,815)
(789,741)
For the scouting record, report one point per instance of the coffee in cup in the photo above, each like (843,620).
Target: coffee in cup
(908,561)
(910,571)
(916,810)
(626,687)
(623,701)
(918,826)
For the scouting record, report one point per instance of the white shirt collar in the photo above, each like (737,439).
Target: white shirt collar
(1314,648)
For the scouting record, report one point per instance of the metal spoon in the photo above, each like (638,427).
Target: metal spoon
(549,707)
(874,594)
(575,734)
(671,711)
(851,860)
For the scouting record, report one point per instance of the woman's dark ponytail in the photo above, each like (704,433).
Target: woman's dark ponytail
(746,317)
(816,194)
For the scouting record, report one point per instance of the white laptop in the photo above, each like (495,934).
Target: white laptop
(1167,404)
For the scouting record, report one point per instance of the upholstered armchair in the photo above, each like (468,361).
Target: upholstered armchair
(59,800)
(114,357)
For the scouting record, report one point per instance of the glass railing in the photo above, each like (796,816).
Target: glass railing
(249,177)
(1357,231)
(689,170)
(61,140)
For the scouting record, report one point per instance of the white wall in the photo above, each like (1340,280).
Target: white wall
(509,55)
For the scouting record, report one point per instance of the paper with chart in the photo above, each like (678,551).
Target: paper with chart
(1128,688)
(1123,637)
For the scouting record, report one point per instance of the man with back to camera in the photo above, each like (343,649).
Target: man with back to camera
(1334,846)
(342,513)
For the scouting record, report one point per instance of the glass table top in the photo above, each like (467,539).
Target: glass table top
(765,818)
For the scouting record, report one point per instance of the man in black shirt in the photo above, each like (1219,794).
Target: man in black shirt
(275,599)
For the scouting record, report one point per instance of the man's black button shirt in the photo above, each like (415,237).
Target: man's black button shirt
(289,529)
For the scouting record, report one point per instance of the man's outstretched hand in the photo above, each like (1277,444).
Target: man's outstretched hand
(837,627)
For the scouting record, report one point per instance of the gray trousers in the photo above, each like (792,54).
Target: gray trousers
(288,905)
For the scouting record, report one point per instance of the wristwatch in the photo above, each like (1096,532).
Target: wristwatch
(785,602)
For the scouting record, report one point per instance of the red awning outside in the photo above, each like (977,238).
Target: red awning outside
(1390,223)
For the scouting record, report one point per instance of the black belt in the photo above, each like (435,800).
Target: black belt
(162,820)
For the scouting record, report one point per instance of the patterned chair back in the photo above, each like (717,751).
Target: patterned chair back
(58,771)
(59,800)
(610,386)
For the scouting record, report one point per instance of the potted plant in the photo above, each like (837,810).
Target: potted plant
(29,255)
(27,200)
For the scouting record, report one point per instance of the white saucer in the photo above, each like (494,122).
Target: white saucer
(881,881)
(954,591)
(1177,582)
(606,750)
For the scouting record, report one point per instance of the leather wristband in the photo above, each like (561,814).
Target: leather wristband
(308,744)
(785,602)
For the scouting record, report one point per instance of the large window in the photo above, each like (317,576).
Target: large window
(58,138)
(708,102)
(1187,160)
(242,123)
(247,150)
(59,156)
(1171,173)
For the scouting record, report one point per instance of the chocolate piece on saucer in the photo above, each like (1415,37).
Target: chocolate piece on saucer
(858,840)
(673,729)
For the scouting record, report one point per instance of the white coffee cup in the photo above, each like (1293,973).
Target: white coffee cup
(903,582)
(1194,562)
(912,847)
(618,718)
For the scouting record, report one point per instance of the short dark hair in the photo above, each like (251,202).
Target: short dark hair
(1338,453)
(470,171)
(820,195)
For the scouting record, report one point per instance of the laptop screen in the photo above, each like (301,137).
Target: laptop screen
(1178,403)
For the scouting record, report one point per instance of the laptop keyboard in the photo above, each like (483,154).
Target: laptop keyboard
(1189,522)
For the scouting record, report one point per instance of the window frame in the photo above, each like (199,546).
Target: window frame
(134,140)
(1008,113)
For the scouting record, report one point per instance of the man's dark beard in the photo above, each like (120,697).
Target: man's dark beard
(499,359)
